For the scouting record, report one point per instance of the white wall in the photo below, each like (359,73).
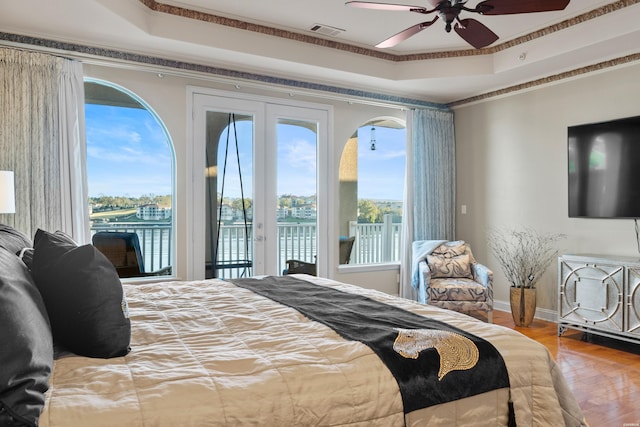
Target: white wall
(168,97)
(512,168)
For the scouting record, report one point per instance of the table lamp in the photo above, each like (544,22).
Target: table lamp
(7,193)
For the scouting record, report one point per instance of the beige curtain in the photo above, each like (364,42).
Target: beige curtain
(42,141)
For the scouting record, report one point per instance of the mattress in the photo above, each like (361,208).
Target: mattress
(212,353)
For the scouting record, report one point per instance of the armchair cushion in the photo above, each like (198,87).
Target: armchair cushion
(458,266)
(451,249)
(456,290)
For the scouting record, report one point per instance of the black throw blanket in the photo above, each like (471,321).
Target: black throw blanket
(432,362)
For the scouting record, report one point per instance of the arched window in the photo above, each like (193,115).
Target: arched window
(372,170)
(130,164)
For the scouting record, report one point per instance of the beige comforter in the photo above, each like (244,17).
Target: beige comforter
(210,353)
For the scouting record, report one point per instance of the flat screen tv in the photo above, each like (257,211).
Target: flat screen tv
(604,169)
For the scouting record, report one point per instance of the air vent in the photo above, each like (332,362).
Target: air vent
(326,30)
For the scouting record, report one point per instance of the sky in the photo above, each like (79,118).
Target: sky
(381,172)
(128,155)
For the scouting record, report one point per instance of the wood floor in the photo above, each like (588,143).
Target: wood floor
(603,374)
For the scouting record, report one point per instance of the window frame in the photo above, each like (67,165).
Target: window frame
(172,154)
(385,265)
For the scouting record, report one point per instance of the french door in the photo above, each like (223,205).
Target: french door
(260,173)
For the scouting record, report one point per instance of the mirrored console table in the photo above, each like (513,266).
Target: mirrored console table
(599,294)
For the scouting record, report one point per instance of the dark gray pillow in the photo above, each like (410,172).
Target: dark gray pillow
(26,347)
(13,240)
(83,295)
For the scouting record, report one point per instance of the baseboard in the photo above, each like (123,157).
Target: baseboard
(541,313)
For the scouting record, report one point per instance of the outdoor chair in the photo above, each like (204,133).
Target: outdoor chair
(346,246)
(123,250)
(295,266)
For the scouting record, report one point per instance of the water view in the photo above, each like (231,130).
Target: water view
(131,176)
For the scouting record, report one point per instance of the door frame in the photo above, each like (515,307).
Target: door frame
(264,108)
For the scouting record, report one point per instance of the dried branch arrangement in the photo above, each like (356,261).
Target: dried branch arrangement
(524,254)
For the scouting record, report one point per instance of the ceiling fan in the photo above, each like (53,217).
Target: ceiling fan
(472,31)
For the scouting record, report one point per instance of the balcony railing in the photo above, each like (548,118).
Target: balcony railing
(155,240)
(375,243)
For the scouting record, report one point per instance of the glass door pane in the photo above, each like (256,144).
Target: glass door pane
(266,156)
(296,188)
(229,195)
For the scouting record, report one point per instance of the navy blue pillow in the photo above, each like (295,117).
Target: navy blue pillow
(83,295)
(26,347)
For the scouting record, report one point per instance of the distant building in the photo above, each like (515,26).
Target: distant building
(283,212)
(227,213)
(304,212)
(152,212)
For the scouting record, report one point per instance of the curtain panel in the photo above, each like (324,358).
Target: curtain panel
(42,141)
(430,186)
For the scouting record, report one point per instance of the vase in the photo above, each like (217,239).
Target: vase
(523,305)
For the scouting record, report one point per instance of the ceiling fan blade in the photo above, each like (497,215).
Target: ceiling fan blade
(475,33)
(403,35)
(508,7)
(434,3)
(386,6)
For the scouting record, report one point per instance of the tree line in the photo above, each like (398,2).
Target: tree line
(369,211)
(105,203)
(372,212)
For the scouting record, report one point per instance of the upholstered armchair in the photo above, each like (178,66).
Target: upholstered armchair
(454,280)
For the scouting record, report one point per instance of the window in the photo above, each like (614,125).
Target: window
(372,170)
(130,180)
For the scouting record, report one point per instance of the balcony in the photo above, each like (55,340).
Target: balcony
(375,243)
(155,240)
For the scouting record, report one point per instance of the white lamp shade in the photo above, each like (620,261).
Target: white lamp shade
(7,193)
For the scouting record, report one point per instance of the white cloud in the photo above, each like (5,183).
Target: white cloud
(300,154)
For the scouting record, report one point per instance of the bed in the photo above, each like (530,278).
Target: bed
(212,353)
(218,352)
